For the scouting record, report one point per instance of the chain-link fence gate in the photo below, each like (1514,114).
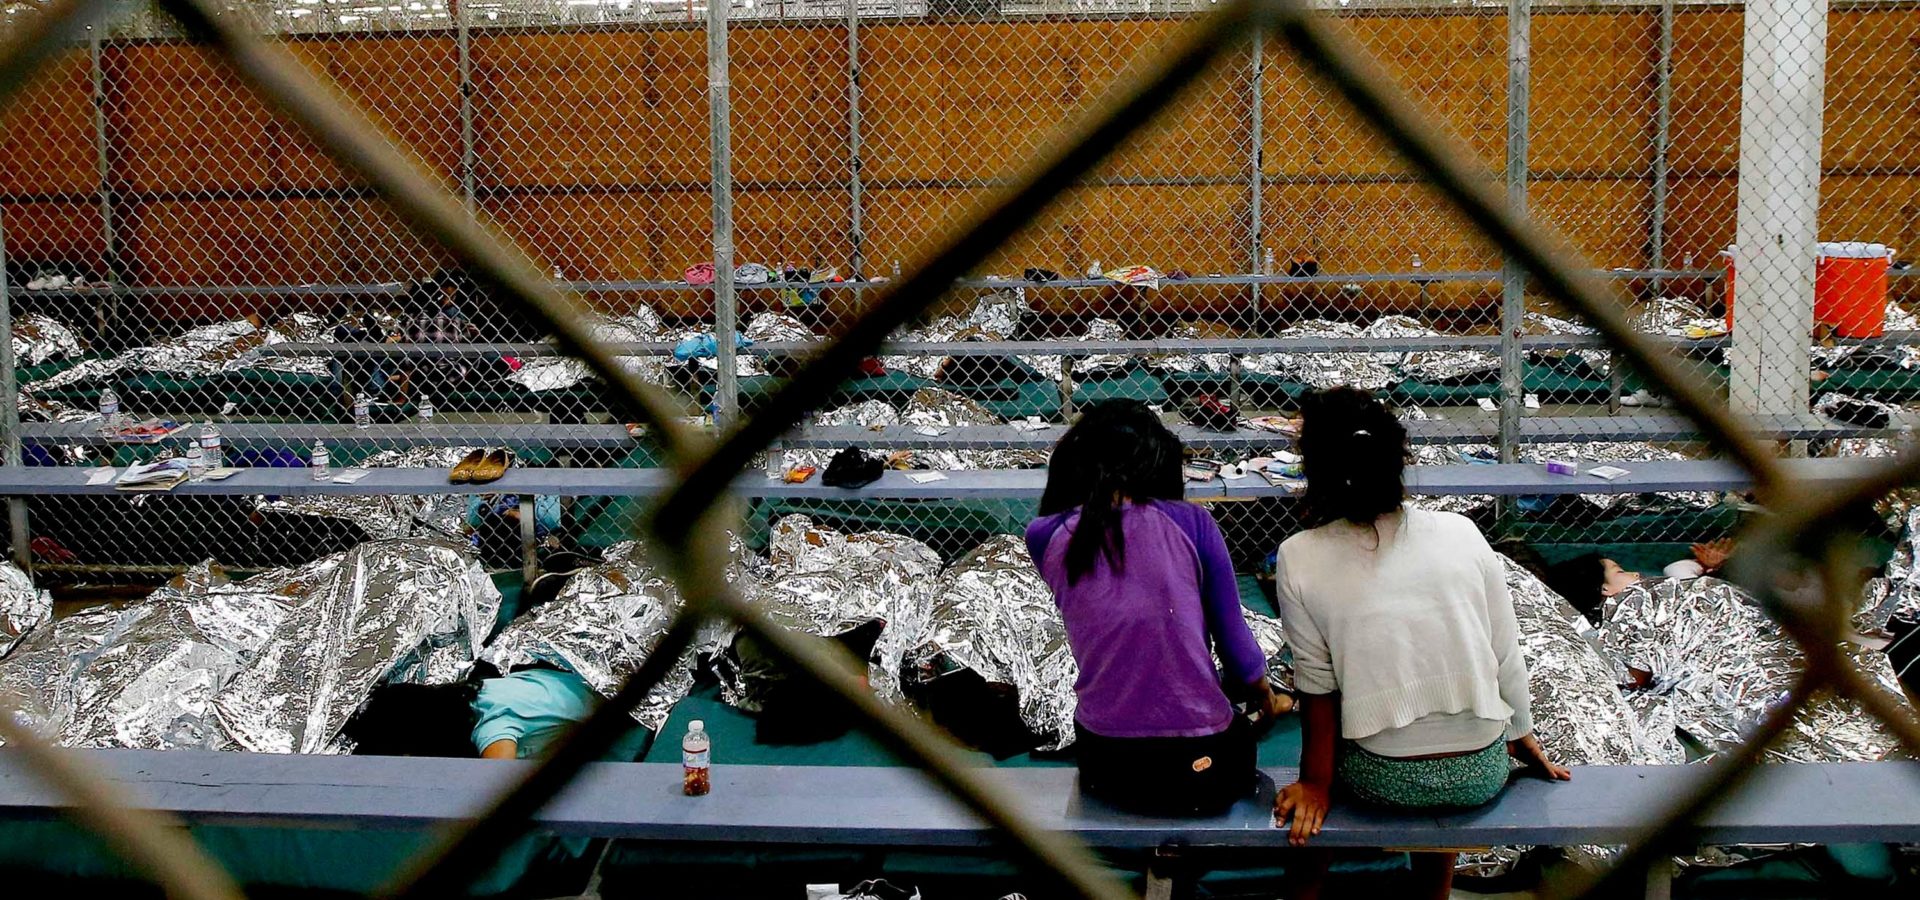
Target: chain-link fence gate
(180,253)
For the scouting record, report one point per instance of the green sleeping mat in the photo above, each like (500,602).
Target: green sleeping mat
(1134,384)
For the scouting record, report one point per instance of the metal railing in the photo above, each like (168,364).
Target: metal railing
(1803,531)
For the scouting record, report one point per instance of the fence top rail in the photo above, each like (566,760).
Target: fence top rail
(1480,427)
(1510,479)
(613,286)
(900,807)
(1064,347)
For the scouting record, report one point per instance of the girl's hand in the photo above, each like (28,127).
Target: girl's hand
(1713,556)
(1278,704)
(1307,804)
(1534,757)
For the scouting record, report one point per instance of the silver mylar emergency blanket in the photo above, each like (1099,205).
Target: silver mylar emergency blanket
(1271,635)
(770,327)
(208,350)
(1103,363)
(1721,664)
(993,317)
(865,414)
(22,608)
(1897,593)
(390,515)
(825,583)
(1579,714)
(39,339)
(144,675)
(1448,455)
(640,325)
(604,624)
(933,408)
(943,409)
(413,609)
(1369,371)
(1218,363)
(993,614)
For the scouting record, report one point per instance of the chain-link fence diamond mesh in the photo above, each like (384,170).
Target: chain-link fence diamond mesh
(182,261)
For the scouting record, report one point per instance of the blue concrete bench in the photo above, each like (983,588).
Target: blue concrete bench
(901,808)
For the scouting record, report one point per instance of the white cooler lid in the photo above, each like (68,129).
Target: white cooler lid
(1854,250)
(1840,250)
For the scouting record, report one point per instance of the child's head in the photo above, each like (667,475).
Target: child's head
(1353,453)
(416,720)
(1119,450)
(1586,581)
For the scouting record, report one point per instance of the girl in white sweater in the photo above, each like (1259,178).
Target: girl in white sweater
(1406,657)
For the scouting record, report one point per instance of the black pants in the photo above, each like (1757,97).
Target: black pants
(1184,776)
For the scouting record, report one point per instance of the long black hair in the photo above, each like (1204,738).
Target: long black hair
(1354,456)
(1119,450)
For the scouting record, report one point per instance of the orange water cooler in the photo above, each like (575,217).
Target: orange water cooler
(1849,287)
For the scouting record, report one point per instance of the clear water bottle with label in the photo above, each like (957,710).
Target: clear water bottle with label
(196,461)
(211,447)
(1093,271)
(109,412)
(425,409)
(320,461)
(1266,262)
(362,411)
(696,755)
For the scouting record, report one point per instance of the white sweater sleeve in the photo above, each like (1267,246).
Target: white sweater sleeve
(1312,660)
(1686,568)
(1506,648)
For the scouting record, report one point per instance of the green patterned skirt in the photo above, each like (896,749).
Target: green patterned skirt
(1473,779)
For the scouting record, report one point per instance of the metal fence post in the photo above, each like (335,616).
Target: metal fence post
(462,40)
(1256,127)
(10,416)
(857,226)
(1662,123)
(1513,304)
(107,314)
(1256,232)
(1657,215)
(725,316)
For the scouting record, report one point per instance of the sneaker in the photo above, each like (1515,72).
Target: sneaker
(1643,398)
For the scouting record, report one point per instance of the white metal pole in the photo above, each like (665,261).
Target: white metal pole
(1782,97)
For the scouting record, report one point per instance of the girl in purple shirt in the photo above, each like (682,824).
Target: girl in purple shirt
(1147,591)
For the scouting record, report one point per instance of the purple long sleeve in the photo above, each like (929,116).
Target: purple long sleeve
(1141,633)
(1220,597)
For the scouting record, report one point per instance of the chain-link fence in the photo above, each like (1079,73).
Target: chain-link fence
(187,268)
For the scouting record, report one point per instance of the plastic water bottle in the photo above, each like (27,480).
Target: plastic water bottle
(196,460)
(896,270)
(320,462)
(211,448)
(697,758)
(1266,262)
(425,409)
(1417,265)
(362,411)
(1093,271)
(109,412)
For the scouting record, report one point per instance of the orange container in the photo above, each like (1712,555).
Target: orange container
(1849,287)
